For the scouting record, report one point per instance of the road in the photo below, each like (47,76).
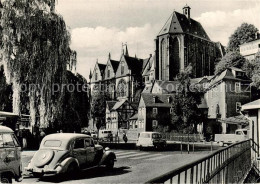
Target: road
(132,166)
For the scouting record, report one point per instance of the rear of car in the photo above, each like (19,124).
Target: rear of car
(10,156)
(150,139)
(104,135)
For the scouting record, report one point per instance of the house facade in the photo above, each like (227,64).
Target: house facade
(250,49)
(224,95)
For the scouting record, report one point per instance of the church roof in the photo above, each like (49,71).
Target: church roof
(134,64)
(179,23)
(111,104)
(102,67)
(114,64)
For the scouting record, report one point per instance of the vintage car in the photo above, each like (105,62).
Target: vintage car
(151,139)
(10,156)
(68,153)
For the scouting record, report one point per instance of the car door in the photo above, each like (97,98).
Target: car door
(10,154)
(79,151)
(90,151)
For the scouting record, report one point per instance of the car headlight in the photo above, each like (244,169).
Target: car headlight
(107,149)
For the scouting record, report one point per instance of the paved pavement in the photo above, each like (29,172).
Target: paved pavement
(132,166)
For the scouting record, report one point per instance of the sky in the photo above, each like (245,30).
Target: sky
(99,27)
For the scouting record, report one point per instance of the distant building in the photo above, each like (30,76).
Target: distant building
(251,49)
(224,95)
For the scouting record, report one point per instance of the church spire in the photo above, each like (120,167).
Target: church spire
(186,11)
(109,56)
(90,74)
(126,50)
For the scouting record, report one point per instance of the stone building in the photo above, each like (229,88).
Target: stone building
(181,42)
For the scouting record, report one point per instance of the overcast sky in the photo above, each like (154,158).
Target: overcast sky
(100,26)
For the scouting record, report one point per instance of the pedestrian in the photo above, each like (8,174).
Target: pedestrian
(111,137)
(42,135)
(125,137)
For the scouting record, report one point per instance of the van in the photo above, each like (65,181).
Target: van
(104,134)
(150,139)
(10,156)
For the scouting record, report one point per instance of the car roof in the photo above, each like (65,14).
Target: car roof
(4,129)
(65,136)
(150,132)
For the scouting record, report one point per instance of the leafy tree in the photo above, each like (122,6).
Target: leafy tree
(230,59)
(5,93)
(255,72)
(185,104)
(98,108)
(246,32)
(75,105)
(35,47)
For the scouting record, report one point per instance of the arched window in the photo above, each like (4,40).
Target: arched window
(121,88)
(174,67)
(163,58)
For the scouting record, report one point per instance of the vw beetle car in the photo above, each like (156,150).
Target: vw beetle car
(10,156)
(68,153)
(150,139)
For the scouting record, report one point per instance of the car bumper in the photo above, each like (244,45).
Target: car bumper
(41,170)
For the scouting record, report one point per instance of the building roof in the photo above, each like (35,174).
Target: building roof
(114,64)
(252,105)
(134,117)
(227,75)
(161,100)
(238,120)
(168,86)
(119,104)
(110,104)
(179,23)
(102,67)
(134,64)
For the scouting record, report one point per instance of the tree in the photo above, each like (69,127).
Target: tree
(75,104)
(185,104)
(255,72)
(5,93)
(35,50)
(98,108)
(246,32)
(230,59)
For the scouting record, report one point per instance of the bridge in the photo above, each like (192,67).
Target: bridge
(237,163)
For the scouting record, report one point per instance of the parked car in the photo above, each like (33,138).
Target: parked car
(104,135)
(239,135)
(69,153)
(10,156)
(151,139)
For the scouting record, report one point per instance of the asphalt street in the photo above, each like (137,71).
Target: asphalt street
(132,166)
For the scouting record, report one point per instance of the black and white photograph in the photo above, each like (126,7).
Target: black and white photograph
(129,91)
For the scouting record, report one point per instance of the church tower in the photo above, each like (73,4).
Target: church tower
(183,41)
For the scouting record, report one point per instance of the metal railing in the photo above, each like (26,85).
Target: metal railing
(228,165)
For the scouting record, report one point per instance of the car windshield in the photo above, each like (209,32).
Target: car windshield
(107,132)
(156,136)
(52,143)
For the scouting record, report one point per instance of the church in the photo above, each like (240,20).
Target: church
(181,42)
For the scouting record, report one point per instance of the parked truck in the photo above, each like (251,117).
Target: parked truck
(239,135)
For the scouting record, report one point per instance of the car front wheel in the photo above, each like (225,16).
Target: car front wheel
(6,179)
(110,163)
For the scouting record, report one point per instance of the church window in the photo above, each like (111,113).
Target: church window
(122,69)
(121,88)
(96,76)
(108,74)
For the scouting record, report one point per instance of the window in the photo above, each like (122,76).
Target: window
(238,106)
(155,123)
(52,143)
(122,69)
(95,76)
(79,143)
(237,87)
(171,110)
(155,110)
(108,74)
(89,143)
